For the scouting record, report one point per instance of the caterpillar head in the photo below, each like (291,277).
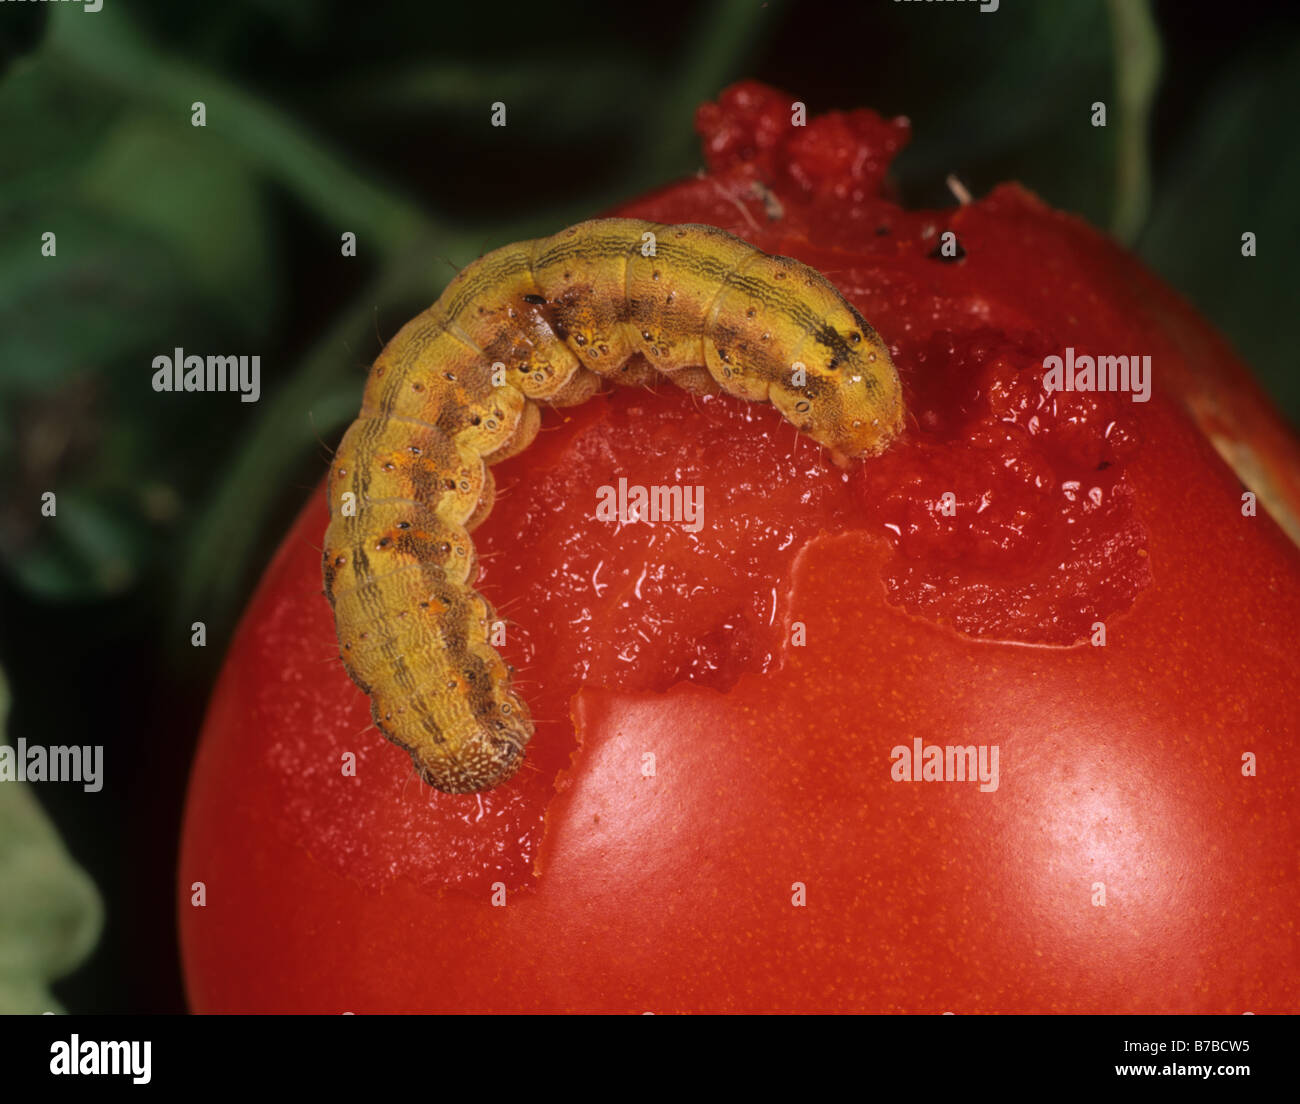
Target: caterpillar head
(844,392)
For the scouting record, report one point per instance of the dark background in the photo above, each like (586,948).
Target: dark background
(333,116)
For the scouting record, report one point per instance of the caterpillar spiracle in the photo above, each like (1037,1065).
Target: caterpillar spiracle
(460,387)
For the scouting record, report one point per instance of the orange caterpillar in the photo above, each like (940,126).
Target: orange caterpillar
(459,388)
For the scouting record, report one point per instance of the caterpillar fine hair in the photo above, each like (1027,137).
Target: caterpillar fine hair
(460,388)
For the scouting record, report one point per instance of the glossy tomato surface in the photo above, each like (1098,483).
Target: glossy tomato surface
(711,817)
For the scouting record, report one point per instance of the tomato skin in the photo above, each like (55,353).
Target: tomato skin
(665,884)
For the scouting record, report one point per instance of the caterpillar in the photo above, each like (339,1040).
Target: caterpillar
(460,388)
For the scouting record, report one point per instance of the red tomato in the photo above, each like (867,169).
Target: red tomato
(709,817)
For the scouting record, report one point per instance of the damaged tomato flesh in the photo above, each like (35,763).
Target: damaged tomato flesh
(708,818)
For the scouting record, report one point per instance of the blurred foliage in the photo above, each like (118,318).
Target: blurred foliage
(50,914)
(1239,172)
(322,118)
(1008,96)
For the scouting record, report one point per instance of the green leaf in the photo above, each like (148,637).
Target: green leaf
(962,77)
(165,177)
(1238,170)
(114,55)
(50,911)
(160,238)
(577,103)
(1137,72)
(93,547)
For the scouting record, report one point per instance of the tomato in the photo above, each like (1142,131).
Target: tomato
(714,814)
